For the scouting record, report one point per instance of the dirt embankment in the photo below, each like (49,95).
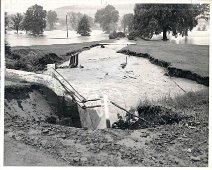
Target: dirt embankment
(172,71)
(37,103)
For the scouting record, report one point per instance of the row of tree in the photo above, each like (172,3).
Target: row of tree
(147,20)
(34,20)
(150,19)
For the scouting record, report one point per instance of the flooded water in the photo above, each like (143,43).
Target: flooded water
(53,37)
(59,37)
(139,80)
(194,37)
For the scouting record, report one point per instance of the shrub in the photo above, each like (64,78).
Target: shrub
(7,48)
(115,35)
(132,35)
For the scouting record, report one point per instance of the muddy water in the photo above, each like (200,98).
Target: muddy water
(138,81)
(52,37)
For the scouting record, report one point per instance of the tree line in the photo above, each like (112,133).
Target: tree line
(147,20)
(34,20)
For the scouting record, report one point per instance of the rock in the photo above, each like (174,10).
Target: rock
(76,159)
(18,138)
(160,162)
(84,159)
(92,146)
(11,134)
(176,162)
(146,143)
(144,135)
(195,159)
(45,132)
(136,161)
(189,150)
(172,142)
(153,158)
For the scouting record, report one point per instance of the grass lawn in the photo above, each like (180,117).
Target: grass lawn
(194,58)
(35,58)
(61,49)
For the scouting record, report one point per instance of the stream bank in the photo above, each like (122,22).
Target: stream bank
(171,71)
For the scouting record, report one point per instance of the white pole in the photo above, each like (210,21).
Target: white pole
(106,111)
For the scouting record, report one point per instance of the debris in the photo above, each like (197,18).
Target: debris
(132,77)
(195,159)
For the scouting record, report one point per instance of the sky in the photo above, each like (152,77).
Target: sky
(23,5)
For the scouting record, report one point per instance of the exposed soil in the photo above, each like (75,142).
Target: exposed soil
(38,103)
(167,145)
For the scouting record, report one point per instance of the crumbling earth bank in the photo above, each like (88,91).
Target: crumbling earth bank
(169,145)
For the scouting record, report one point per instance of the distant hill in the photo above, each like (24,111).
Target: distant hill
(91,10)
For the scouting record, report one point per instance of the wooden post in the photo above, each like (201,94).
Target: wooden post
(74,59)
(106,111)
(77,59)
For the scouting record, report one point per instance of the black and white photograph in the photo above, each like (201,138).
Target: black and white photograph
(113,83)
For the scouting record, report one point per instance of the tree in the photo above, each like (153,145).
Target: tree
(16,21)
(152,19)
(107,18)
(74,19)
(6,21)
(35,19)
(51,18)
(84,27)
(127,22)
